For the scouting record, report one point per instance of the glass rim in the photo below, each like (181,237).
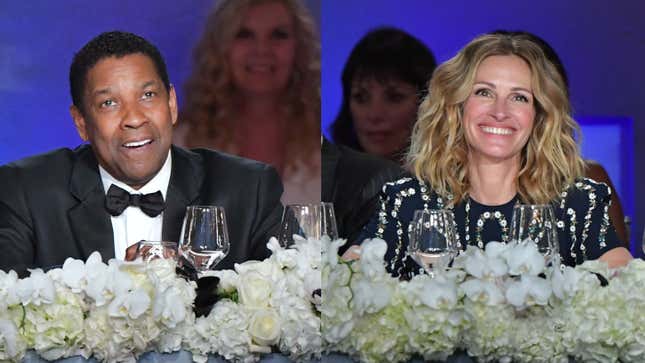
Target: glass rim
(203,206)
(162,243)
(309,204)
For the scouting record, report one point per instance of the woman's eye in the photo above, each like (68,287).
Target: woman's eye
(244,34)
(521,98)
(395,97)
(280,34)
(483,92)
(359,97)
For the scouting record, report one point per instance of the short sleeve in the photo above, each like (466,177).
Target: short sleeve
(588,231)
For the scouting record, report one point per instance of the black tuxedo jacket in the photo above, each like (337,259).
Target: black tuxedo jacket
(352,181)
(52,206)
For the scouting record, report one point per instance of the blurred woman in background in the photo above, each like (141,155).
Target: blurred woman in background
(384,81)
(255,90)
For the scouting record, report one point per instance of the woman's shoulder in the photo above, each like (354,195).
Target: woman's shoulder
(405,186)
(584,194)
(586,188)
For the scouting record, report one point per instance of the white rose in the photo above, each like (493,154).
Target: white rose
(254,289)
(264,327)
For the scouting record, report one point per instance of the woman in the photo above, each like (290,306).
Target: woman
(384,80)
(495,130)
(255,90)
(593,169)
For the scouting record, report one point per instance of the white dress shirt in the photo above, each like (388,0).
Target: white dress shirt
(133,225)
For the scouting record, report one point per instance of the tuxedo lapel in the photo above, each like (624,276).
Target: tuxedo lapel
(89,220)
(330,157)
(185,184)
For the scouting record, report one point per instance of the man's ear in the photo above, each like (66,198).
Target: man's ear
(172,104)
(79,121)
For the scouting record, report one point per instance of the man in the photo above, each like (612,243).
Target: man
(352,181)
(129,183)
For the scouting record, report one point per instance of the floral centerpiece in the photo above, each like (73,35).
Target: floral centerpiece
(119,310)
(503,303)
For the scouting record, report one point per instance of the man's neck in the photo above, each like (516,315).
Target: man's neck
(159,181)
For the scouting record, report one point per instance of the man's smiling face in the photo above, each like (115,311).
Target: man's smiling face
(128,117)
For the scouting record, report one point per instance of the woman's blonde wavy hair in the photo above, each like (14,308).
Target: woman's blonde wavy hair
(208,112)
(439,152)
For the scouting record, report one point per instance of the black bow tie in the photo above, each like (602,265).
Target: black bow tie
(118,200)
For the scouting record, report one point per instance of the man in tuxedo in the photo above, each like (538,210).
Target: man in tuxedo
(130,183)
(352,180)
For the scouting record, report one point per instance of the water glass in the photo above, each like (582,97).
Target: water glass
(432,241)
(536,223)
(204,239)
(308,221)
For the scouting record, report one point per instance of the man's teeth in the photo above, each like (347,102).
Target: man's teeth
(137,143)
(497,130)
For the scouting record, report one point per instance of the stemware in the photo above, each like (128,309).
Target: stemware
(432,242)
(204,239)
(536,223)
(309,221)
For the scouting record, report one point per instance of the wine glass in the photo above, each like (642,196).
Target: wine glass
(536,223)
(204,237)
(432,242)
(151,250)
(308,221)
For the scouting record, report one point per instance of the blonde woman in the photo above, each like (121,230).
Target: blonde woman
(495,130)
(255,90)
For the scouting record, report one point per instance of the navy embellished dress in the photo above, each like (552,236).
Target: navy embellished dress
(581,212)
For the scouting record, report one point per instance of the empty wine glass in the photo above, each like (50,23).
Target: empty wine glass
(308,221)
(432,242)
(204,236)
(536,223)
(151,250)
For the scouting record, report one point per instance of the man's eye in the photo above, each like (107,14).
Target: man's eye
(149,94)
(107,103)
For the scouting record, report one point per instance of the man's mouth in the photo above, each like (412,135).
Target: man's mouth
(137,144)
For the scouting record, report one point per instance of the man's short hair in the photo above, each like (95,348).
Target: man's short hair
(110,44)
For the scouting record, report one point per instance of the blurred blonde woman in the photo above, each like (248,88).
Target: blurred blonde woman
(494,131)
(255,90)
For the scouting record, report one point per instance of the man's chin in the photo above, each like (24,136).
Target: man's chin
(138,179)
